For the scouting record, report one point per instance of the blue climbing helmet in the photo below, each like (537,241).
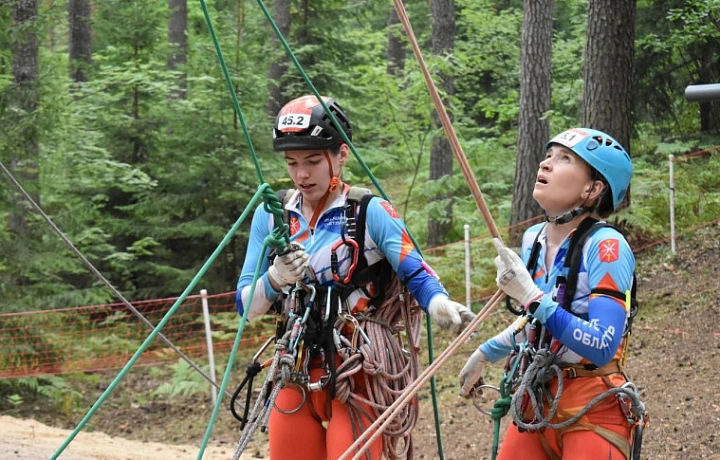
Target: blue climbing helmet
(603,153)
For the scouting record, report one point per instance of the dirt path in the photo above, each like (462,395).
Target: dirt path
(31,440)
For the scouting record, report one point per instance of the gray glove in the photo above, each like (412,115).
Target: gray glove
(512,276)
(471,373)
(289,267)
(449,314)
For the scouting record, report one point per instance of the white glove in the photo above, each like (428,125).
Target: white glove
(450,315)
(513,277)
(471,373)
(289,267)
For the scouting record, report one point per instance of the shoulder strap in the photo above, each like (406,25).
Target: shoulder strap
(361,197)
(574,254)
(531,266)
(572,260)
(358,193)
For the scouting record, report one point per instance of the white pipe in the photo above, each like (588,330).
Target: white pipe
(672,204)
(468,299)
(208,338)
(703,93)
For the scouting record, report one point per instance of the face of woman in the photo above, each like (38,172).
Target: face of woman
(564,181)
(310,172)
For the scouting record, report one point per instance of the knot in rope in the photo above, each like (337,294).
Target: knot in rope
(286,365)
(542,369)
(501,408)
(503,404)
(279,237)
(282,344)
(370,364)
(272,203)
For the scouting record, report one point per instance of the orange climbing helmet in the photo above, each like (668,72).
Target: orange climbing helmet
(302,124)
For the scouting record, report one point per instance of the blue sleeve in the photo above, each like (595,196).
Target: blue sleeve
(258,231)
(389,232)
(610,265)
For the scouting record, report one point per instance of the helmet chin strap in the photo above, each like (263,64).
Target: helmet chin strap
(566,217)
(334,183)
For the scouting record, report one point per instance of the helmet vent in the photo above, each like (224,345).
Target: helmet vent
(593,143)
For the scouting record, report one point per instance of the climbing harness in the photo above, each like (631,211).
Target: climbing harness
(531,366)
(316,327)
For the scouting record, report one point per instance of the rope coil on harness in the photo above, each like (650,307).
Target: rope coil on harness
(531,395)
(388,368)
(534,385)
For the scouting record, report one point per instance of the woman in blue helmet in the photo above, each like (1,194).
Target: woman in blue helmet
(585,175)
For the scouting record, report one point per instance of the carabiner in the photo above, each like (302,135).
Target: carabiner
(262,349)
(334,266)
(326,315)
(476,392)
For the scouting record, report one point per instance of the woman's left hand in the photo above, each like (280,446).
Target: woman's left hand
(512,276)
(449,314)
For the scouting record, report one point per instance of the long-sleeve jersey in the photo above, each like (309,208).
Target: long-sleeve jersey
(386,237)
(592,331)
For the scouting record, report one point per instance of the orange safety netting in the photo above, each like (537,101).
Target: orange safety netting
(101,337)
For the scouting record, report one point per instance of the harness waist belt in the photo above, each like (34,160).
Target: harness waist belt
(572,371)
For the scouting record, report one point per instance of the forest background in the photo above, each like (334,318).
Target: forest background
(115,117)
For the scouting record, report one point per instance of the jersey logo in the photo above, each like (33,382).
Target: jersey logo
(390,210)
(609,250)
(294,225)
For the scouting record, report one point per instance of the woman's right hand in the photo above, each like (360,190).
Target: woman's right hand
(471,373)
(288,267)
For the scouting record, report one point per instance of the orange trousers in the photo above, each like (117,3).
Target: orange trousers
(576,445)
(308,433)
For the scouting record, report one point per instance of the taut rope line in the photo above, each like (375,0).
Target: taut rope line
(387,416)
(447,125)
(100,276)
(258,195)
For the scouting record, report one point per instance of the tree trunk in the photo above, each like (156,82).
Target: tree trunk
(177,38)
(79,39)
(535,101)
(396,46)
(441,157)
(25,145)
(278,67)
(708,72)
(607,96)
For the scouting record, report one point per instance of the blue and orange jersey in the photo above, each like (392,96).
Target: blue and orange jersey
(386,237)
(592,332)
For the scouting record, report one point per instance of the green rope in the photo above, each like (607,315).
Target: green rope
(164,321)
(277,239)
(500,410)
(231,88)
(375,182)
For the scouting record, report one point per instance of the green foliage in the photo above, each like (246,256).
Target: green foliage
(146,184)
(48,389)
(183,382)
(697,200)
(677,45)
